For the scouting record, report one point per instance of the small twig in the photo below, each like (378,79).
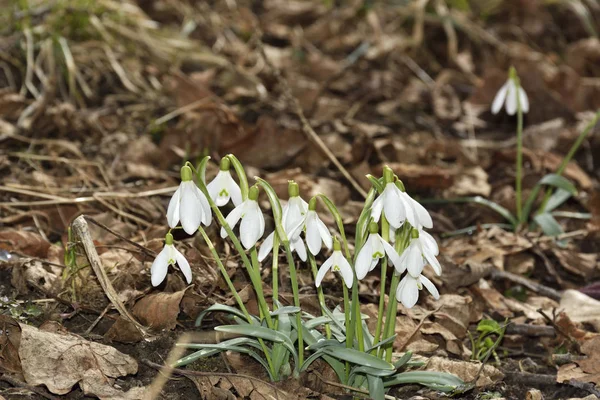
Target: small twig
(34,389)
(306,127)
(81,229)
(531,330)
(131,242)
(529,284)
(559,329)
(417,328)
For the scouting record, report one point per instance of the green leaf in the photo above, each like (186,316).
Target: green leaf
(376,182)
(402,361)
(557,198)
(363,221)
(241,174)
(313,357)
(438,380)
(275,207)
(313,323)
(488,326)
(376,390)
(195,356)
(223,308)
(477,200)
(358,357)
(285,310)
(383,342)
(201,170)
(559,182)
(549,225)
(324,343)
(338,219)
(362,370)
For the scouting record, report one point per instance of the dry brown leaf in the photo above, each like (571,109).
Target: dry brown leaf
(581,307)
(10,340)
(582,264)
(27,243)
(470,182)
(159,310)
(591,364)
(572,371)
(123,331)
(466,370)
(68,359)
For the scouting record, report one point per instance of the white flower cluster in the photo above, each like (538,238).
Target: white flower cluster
(304,229)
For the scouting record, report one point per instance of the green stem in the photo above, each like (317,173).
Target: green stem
(275,269)
(519,177)
(356,321)
(237,297)
(385,234)
(320,295)
(569,156)
(295,293)
(349,333)
(390,318)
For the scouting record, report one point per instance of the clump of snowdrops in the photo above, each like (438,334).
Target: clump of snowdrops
(285,340)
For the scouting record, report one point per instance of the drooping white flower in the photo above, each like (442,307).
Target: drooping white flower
(509,94)
(169,255)
(422,247)
(336,262)
(224,187)
(252,226)
(373,250)
(293,217)
(408,290)
(188,205)
(316,232)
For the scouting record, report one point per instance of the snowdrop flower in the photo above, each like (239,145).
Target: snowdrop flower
(223,187)
(508,94)
(169,255)
(293,220)
(188,205)
(408,290)
(373,250)
(316,232)
(422,247)
(398,206)
(252,226)
(336,262)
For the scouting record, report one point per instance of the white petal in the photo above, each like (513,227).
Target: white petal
(299,247)
(423,217)
(499,99)
(214,187)
(250,225)
(233,218)
(524,100)
(393,256)
(410,292)
(325,235)
(376,208)
(409,209)
(414,259)
(266,247)
(206,211)
(391,206)
(435,264)
(364,259)
(430,287)
(345,270)
(429,242)
(313,237)
(159,268)
(323,270)
(234,191)
(191,208)
(511,99)
(296,214)
(184,266)
(173,209)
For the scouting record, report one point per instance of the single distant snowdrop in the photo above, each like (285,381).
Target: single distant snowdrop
(252,226)
(336,262)
(169,255)
(316,232)
(224,187)
(373,250)
(422,247)
(188,205)
(509,94)
(293,220)
(408,290)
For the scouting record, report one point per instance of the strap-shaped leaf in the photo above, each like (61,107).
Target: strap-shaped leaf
(358,357)
(402,361)
(285,310)
(549,225)
(195,356)
(383,342)
(223,308)
(275,207)
(376,389)
(376,182)
(363,221)
(438,380)
(558,182)
(557,199)
(241,174)
(201,170)
(324,343)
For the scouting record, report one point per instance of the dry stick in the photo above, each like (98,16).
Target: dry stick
(34,389)
(530,330)
(81,229)
(418,328)
(308,130)
(529,284)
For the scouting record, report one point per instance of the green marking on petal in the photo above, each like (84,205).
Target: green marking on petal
(171,261)
(336,268)
(377,255)
(223,193)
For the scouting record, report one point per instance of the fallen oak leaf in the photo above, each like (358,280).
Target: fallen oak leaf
(10,341)
(159,310)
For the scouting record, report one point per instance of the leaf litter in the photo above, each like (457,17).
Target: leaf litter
(100,104)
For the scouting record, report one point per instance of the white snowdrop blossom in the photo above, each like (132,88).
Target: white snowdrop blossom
(169,255)
(252,226)
(422,247)
(316,232)
(293,219)
(398,206)
(188,205)
(223,187)
(408,289)
(372,251)
(509,94)
(336,262)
